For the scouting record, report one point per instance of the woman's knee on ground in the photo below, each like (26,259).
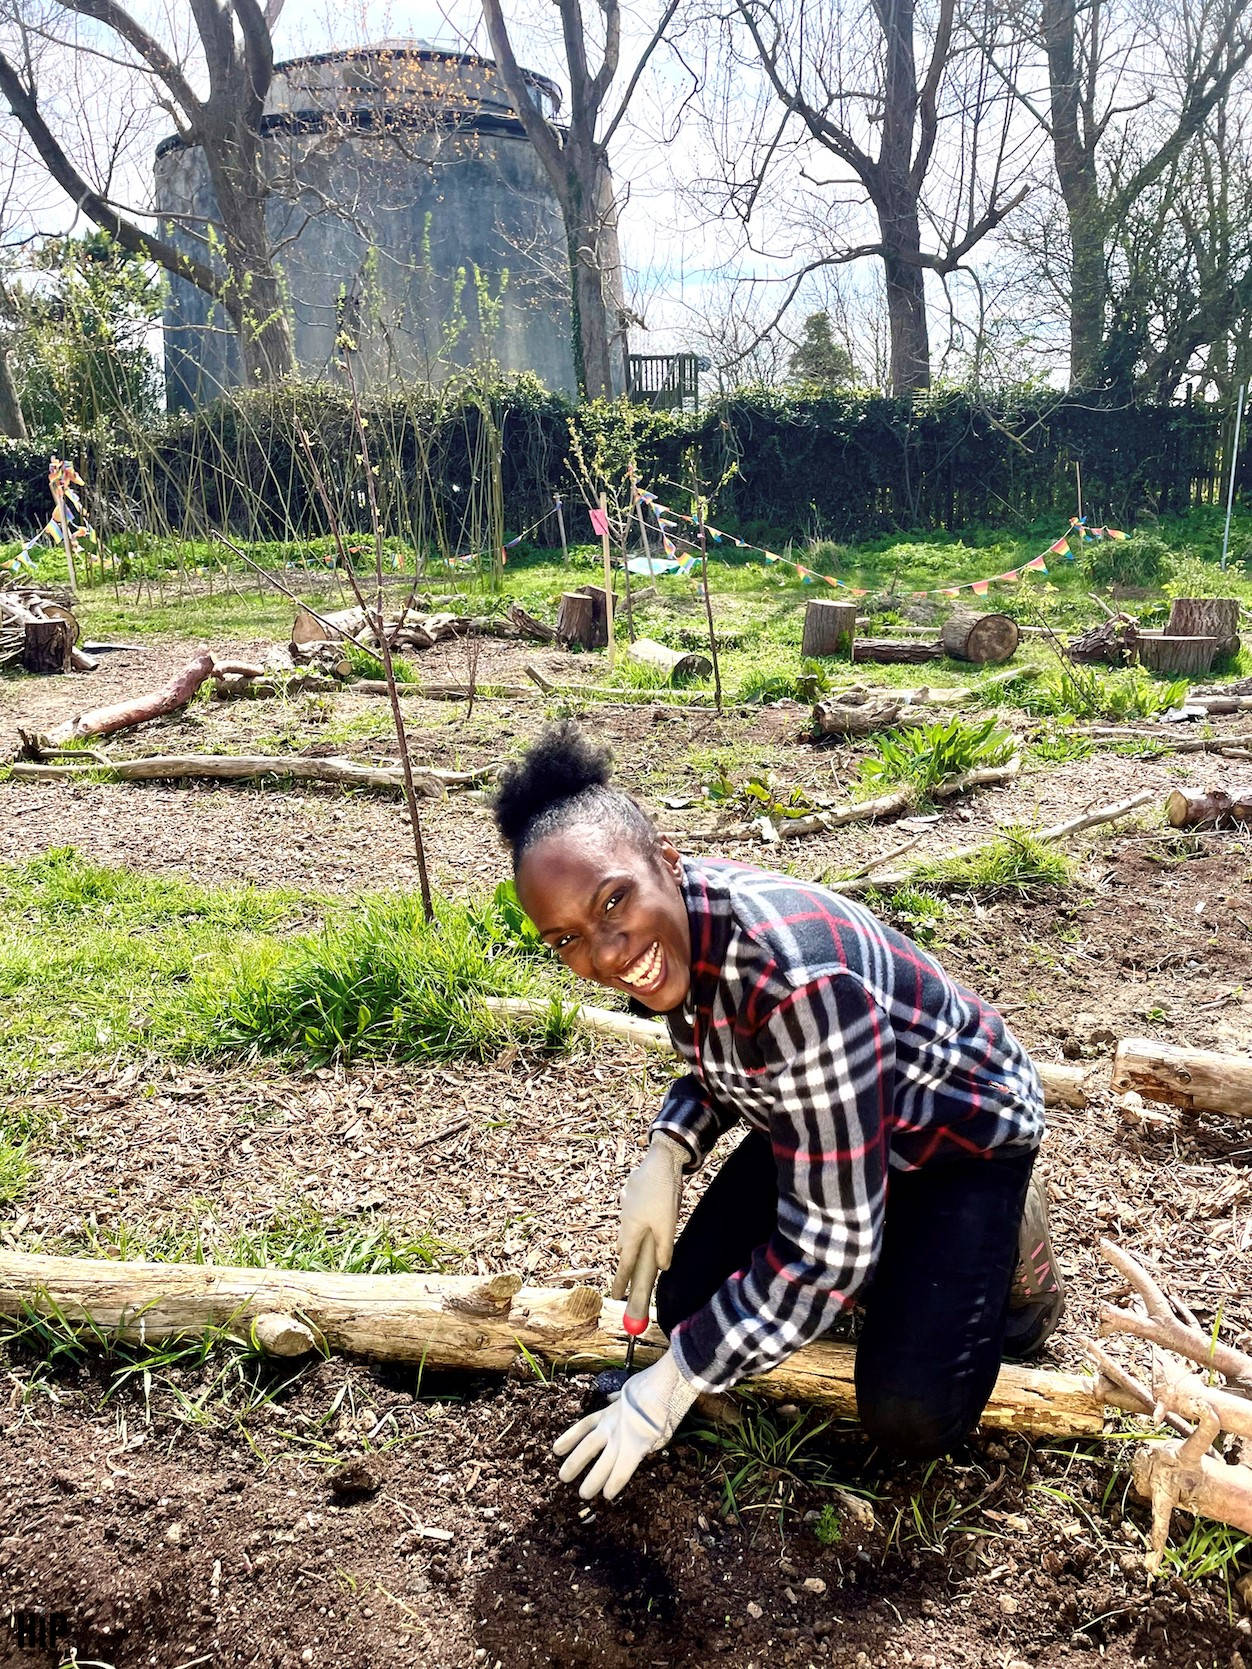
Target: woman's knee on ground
(915,1428)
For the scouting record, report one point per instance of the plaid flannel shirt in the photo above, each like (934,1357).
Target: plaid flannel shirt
(853,1050)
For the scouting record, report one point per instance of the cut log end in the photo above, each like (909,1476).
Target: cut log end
(829,628)
(984,639)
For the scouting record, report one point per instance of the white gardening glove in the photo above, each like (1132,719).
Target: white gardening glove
(637,1423)
(645,1241)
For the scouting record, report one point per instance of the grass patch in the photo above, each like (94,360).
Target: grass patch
(1058,746)
(912,910)
(377,981)
(365,665)
(16,1170)
(764,1460)
(299,1238)
(1016,862)
(1089,694)
(94,959)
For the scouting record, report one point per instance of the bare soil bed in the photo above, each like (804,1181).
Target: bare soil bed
(369,1517)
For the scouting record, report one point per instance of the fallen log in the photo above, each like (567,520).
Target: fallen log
(104,721)
(886,651)
(856,713)
(345,773)
(443,692)
(1198,1080)
(887,805)
(985,639)
(676,664)
(1215,808)
(463,1322)
(1063,1085)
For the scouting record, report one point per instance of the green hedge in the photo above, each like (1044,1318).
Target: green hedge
(843,466)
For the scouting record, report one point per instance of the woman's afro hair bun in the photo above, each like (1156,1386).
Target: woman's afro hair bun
(560,766)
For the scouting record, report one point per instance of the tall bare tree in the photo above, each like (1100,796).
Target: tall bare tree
(872,86)
(233,261)
(1129,89)
(576,160)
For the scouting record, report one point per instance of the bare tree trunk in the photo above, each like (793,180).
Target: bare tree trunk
(12,423)
(906,315)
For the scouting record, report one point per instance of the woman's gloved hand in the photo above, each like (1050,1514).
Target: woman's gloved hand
(645,1241)
(641,1420)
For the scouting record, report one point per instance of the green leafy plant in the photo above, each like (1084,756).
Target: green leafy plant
(1057,746)
(828,1529)
(1085,693)
(923,756)
(366,665)
(810,683)
(1141,561)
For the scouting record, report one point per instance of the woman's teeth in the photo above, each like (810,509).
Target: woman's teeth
(645,970)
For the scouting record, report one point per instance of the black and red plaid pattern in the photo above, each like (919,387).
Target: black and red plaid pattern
(854,1052)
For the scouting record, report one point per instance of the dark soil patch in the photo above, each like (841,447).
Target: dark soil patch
(459,1548)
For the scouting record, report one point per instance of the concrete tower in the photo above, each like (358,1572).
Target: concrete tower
(408,208)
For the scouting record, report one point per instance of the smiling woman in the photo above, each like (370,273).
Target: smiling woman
(852,1058)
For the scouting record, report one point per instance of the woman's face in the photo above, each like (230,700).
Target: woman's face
(611,912)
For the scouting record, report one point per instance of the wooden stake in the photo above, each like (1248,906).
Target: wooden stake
(58,497)
(560,523)
(608,573)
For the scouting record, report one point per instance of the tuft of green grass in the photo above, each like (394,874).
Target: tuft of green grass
(913,910)
(922,756)
(765,1458)
(378,980)
(1015,862)
(16,1170)
(298,1238)
(1210,1549)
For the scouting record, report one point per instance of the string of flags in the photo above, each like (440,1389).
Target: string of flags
(67,517)
(1078,532)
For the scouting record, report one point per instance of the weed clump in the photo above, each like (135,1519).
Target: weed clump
(923,756)
(1016,862)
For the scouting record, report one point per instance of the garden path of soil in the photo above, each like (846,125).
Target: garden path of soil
(167,1541)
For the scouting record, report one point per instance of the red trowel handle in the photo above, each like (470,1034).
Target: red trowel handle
(635,1324)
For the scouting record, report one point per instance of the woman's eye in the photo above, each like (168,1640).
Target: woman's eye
(615,900)
(563,944)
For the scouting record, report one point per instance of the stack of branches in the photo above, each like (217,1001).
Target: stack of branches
(39,630)
(59,753)
(1115,641)
(1189,1470)
(411,629)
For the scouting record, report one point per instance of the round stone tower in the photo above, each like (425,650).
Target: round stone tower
(407,209)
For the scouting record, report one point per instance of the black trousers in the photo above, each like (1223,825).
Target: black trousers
(934,1311)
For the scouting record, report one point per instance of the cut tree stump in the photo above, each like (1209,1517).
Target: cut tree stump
(829,628)
(48,646)
(576,620)
(677,664)
(1216,617)
(465,1322)
(887,651)
(600,613)
(1177,657)
(984,639)
(1198,1080)
(1212,809)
